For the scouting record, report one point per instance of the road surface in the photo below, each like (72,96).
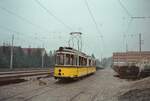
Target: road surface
(102,86)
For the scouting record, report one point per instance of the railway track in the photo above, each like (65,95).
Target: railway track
(23,71)
(13,75)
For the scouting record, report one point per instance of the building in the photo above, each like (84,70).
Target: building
(131,56)
(29,51)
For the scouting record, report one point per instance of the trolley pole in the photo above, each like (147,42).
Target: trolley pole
(11,57)
(77,36)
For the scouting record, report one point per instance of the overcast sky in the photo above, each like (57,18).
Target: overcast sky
(32,25)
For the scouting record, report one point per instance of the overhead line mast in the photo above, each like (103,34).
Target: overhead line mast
(12,53)
(140,42)
(131,20)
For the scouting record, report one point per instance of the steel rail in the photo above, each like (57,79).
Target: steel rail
(12,75)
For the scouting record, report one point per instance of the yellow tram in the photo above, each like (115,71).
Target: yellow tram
(71,63)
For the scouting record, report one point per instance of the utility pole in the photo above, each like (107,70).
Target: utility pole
(43,53)
(140,42)
(126,53)
(126,47)
(125,42)
(11,57)
(140,59)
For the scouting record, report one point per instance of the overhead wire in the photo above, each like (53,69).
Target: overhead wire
(126,10)
(53,15)
(130,21)
(10,30)
(23,19)
(96,25)
(93,19)
(125,35)
(17,32)
(21,35)
(129,14)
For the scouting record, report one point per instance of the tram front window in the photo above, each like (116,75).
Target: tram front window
(60,59)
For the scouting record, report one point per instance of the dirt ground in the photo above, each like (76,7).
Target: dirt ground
(102,86)
(136,91)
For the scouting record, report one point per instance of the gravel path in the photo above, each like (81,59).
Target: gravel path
(102,86)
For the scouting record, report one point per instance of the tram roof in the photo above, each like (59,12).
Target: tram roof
(72,50)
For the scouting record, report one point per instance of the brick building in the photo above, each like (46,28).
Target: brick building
(131,56)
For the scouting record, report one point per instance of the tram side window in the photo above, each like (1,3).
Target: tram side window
(82,61)
(71,59)
(92,63)
(89,62)
(75,60)
(79,60)
(67,59)
(60,59)
(85,62)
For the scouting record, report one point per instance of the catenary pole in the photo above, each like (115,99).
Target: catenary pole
(11,54)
